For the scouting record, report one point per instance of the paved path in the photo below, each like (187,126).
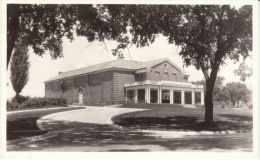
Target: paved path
(97,115)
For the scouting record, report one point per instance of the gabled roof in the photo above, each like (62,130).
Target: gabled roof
(115,64)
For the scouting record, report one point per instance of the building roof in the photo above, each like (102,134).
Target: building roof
(115,64)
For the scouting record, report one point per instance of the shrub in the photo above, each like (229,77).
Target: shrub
(12,105)
(41,102)
(20,99)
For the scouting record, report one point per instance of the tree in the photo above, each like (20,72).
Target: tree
(223,96)
(217,87)
(40,26)
(43,26)
(237,92)
(243,71)
(207,35)
(64,86)
(19,69)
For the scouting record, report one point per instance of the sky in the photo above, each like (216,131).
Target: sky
(80,53)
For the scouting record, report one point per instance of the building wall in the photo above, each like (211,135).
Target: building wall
(119,80)
(165,71)
(52,90)
(96,88)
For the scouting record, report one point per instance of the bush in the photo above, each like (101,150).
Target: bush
(12,105)
(20,99)
(43,102)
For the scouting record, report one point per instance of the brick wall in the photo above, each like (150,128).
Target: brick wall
(165,71)
(118,83)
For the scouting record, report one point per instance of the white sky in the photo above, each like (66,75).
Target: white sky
(79,53)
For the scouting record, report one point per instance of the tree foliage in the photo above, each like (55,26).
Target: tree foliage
(243,71)
(19,68)
(237,91)
(40,26)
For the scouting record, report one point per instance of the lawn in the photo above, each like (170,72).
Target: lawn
(23,124)
(176,117)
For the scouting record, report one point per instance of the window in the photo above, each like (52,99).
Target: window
(140,76)
(165,76)
(174,76)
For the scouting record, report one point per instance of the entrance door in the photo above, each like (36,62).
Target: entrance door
(80,98)
(165,96)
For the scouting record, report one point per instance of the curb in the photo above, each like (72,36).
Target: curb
(32,139)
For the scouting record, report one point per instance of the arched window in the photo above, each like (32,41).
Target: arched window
(165,76)
(157,74)
(174,77)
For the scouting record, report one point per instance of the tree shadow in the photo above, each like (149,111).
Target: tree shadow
(237,118)
(76,134)
(181,123)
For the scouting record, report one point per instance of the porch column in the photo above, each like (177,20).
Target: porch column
(171,96)
(147,98)
(202,98)
(193,97)
(182,97)
(158,100)
(135,95)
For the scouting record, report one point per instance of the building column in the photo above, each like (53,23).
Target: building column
(171,96)
(202,98)
(182,97)
(148,95)
(193,97)
(135,95)
(158,98)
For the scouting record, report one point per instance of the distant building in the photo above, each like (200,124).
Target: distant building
(121,81)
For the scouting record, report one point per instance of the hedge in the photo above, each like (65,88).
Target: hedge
(36,103)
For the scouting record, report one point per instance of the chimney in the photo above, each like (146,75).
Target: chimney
(60,72)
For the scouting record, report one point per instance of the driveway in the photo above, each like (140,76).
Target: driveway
(90,130)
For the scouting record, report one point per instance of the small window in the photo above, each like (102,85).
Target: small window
(166,65)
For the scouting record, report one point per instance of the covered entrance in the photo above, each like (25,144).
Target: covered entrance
(165,96)
(80,96)
(164,92)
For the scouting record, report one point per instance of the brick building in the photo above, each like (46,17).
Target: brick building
(120,81)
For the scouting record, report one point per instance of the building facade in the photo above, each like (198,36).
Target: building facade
(125,81)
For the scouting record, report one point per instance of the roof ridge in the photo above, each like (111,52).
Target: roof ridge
(100,64)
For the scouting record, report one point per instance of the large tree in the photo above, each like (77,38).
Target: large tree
(39,26)
(19,68)
(237,92)
(43,26)
(207,35)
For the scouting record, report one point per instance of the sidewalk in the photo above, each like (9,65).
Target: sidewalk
(92,114)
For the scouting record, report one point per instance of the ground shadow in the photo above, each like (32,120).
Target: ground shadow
(237,118)
(181,123)
(75,134)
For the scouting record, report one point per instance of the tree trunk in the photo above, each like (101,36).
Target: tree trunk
(209,101)
(13,23)
(17,95)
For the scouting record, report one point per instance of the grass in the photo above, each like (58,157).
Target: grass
(176,117)
(23,124)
